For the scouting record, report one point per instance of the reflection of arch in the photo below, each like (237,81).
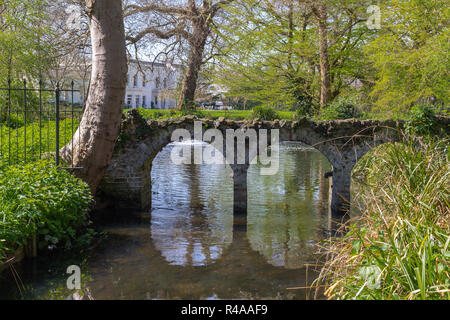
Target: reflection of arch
(141,272)
(190,218)
(281,227)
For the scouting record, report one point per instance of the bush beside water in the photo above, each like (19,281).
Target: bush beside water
(38,198)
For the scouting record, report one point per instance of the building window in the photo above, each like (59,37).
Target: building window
(135,81)
(129,99)
(165,83)
(158,82)
(156,101)
(144,102)
(128,80)
(144,81)
(138,101)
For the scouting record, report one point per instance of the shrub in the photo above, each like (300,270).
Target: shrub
(302,113)
(12,120)
(304,108)
(158,114)
(38,198)
(214,114)
(264,113)
(340,110)
(421,120)
(193,112)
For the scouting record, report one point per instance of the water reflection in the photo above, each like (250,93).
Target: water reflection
(192,212)
(192,215)
(133,268)
(190,250)
(287,212)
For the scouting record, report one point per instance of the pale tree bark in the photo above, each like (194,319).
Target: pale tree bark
(93,144)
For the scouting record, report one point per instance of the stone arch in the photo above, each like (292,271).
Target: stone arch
(343,143)
(127,182)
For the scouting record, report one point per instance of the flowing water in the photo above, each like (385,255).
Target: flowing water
(187,249)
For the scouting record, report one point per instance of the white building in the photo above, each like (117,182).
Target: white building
(149,86)
(152,85)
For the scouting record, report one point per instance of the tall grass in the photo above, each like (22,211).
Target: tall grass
(399,246)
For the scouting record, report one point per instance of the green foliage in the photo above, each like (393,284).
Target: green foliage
(158,115)
(38,198)
(232,115)
(410,55)
(304,108)
(399,247)
(421,122)
(25,39)
(12,121)
(340,110)
(264,113)
(270,52)
(193,112)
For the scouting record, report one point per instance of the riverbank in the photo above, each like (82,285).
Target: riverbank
(41,206)
(398,245)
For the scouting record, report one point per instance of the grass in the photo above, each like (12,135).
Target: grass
(399,245)
(33,142)
(214,114)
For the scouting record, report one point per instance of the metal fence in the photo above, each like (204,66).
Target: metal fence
(35,123)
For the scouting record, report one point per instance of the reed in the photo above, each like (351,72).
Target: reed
(397,247)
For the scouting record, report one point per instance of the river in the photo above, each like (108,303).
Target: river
(187,249)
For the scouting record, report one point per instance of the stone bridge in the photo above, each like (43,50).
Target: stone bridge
(127,182)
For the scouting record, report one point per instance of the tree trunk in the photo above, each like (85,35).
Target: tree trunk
(325,91)
(93,144)
(291,34)
(187,98)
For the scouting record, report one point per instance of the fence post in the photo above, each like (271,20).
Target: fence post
(9,121)
(72,150)
(57,97)
(25,119)
(40,119)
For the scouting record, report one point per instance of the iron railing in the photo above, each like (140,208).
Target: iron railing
(35,123)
